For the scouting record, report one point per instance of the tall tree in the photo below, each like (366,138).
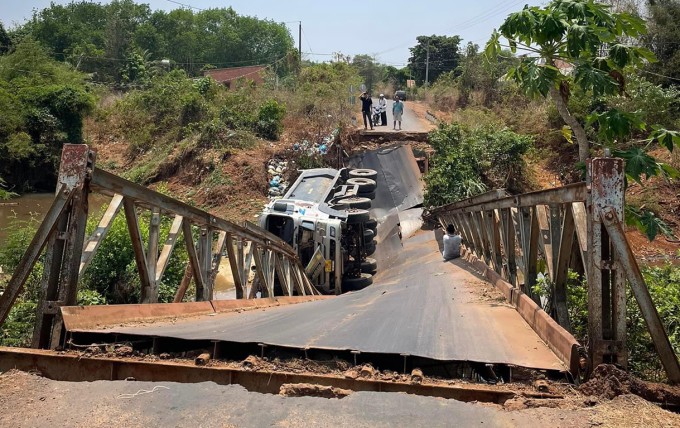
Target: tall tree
(579,34)
(368,69)
(663,39)
(5,41)
(434,55)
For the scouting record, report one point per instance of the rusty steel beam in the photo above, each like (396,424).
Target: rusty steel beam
(576,192)
(606,280)
(107,183)
(489,196)
(76,368)
(169,245)
(193,259)
(32,254)
(641,292)
(562,269)
(100,232)
(138,247)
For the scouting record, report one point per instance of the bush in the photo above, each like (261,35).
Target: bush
(270,120)
(467,162)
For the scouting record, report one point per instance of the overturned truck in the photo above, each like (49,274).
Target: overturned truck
(325,217)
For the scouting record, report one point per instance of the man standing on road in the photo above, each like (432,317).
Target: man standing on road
(382,103)
(366,106)
(452,242)
(397,111)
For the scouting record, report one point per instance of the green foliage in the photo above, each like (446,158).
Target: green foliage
(663,23)
(270,120)
(663,283)
(113,271)
(444,56)
(122,41)
(43,104)
(468,161)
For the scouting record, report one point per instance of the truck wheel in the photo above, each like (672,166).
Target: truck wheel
(372,224)
(358,283)
(355,202)
(365,185)
(368,236)
(369,266)
(370,248)
(356,216)
(369,195)
(363,173)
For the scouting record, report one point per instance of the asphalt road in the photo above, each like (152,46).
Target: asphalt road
(410,121)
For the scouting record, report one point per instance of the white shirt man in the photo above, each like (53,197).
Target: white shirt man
(452,242)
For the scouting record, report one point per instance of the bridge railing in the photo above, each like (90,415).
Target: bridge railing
(549,232)
(69,251)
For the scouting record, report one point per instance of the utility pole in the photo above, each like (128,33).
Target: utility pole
(300,42)
(427,64)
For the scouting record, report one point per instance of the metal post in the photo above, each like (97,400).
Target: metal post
(62,265)
(606,279)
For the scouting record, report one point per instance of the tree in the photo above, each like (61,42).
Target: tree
(5,41)
(444,56)
(662,39)
(579,34)
(368,69)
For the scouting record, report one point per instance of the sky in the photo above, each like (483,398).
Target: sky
(380,28)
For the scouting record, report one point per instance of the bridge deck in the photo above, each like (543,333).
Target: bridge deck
(421,306)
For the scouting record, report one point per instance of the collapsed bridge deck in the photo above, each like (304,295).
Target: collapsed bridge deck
(421,306)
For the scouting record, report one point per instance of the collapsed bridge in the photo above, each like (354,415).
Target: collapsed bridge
(420,312)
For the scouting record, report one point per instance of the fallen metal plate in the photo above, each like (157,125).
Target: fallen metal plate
(422,306)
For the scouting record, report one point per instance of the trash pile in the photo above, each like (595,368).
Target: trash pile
(277,183)
(277,168)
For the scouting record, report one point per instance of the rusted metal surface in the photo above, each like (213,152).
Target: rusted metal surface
(75,368)
(649,313)
(83,318)
(421,306)
(606,280)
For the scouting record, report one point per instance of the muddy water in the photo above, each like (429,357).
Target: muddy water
(31,208)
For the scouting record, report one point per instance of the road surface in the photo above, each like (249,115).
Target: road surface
(411,121)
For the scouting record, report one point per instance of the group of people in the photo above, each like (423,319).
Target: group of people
(367,107)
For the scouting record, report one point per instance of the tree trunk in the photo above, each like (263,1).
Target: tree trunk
(577,129)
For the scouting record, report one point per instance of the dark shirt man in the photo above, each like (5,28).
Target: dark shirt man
(366,108)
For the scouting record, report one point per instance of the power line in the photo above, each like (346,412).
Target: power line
(185,5)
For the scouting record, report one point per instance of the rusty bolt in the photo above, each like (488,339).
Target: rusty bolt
(609,215)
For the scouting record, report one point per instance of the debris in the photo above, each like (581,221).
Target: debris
(608,381)
(202,359)
(541,385)
(351,374)
(417,376)
(165,356)
(367,371)
(310,390)
(124,351)
(250,361)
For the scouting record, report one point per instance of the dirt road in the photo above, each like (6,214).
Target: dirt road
(31,401)
(413,119)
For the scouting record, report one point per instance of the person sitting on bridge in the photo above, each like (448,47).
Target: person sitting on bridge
(452,242)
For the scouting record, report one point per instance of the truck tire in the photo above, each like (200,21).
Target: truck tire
(370,248)
(372,224)
(366,185)
(369,195)
(369,234)
(369,266)
(355,202)
(356,216)
(363,173)
(358,283)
